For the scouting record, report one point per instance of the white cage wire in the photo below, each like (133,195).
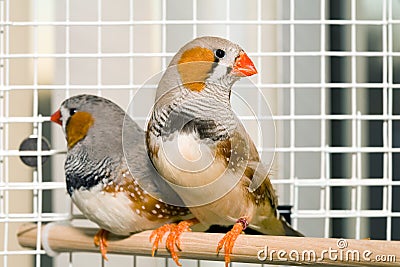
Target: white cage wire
(330,71)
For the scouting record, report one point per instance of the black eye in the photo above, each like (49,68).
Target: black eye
(220,53)
(72,111)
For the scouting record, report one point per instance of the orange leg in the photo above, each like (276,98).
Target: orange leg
(174,236)
(228,241)
(100,240)
(159,234)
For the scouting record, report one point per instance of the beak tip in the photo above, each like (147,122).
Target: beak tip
(55,117)
(244,66)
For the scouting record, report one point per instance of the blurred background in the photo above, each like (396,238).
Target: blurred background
(328,70)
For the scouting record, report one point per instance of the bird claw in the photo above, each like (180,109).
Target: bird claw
(100,240)
(173,238)
(159,234)
(228,241)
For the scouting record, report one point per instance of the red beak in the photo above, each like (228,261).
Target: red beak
(244,66)
(56,117)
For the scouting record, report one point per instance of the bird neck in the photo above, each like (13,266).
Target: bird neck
(83,172)
(211,105)
(98,144)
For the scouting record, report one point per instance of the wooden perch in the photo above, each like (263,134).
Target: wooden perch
(248,248)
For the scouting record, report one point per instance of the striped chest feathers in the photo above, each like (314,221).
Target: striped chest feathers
(83,173)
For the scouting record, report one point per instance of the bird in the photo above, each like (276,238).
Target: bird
(108,172)
(198,144)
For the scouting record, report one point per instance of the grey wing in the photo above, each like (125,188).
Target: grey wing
(141,167)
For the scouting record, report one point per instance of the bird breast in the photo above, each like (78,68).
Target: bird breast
(112,212)
(186,160)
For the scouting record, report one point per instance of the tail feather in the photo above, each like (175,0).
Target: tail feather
(275,225)
(289,231)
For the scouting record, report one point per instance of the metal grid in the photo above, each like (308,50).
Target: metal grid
(62,48)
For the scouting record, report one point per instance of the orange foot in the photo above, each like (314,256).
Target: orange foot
(100,240)
(228,241)
(174,237)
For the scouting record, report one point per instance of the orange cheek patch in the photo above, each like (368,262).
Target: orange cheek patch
(78,126)
(194,67)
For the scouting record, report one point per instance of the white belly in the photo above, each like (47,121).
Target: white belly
(191,168)
(111,212)
(204,183)
(185,161)
(226,210)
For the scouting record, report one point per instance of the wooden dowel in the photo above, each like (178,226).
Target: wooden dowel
(248,248)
